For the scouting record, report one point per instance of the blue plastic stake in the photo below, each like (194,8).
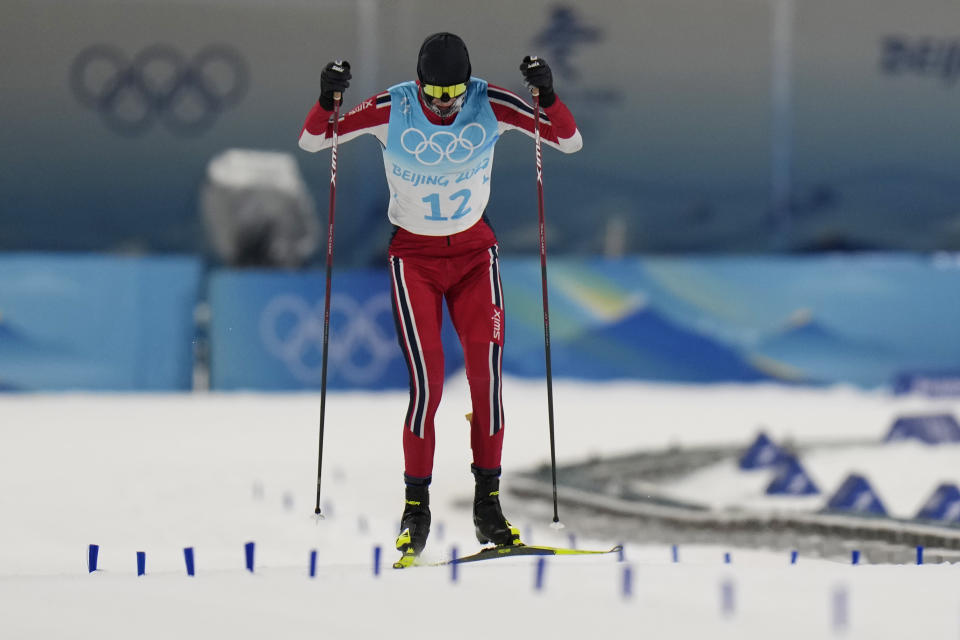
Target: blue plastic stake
(726,558)
(313,563)
(840,616)
(727,598)
(675,552)
(627,582)
(855,556)
(141,562)
(188,559)
(248,550)
(919,554)
(376,560)
(92,554)
(793,556)
(541,566)
(621,554)
(453,565)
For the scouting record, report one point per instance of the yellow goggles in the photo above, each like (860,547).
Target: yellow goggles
(436,91)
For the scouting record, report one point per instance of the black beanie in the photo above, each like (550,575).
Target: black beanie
(443,60)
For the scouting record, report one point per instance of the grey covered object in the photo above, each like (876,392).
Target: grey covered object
(257,211)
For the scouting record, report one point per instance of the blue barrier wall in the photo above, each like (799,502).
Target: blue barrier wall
(102,322)
(97,322)
(861,319)
(266,331)
(810,320)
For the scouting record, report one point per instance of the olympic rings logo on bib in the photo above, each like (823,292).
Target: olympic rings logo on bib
(443,145)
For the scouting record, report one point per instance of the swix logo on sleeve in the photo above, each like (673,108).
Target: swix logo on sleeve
(366,104)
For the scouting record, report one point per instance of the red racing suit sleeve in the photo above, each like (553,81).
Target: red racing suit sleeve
(369,117)
(558,129)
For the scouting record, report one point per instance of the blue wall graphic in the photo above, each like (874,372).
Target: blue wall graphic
(106,322)
(97,322)
(267,332)
(814,320)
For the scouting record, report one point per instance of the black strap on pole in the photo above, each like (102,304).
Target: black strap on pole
(326,301)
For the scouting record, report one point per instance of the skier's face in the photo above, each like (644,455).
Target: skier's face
(443,104)
(444,101)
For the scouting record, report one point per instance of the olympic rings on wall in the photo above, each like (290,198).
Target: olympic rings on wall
(443,145)
(359,349)
(186,95)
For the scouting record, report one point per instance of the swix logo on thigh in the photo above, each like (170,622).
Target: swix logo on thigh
(497,319)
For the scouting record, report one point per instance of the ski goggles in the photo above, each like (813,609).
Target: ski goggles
(436,91)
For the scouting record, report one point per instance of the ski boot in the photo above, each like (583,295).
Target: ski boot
(414,525)
(488,518)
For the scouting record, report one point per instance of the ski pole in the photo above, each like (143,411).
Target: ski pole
(546,308)
(326,300)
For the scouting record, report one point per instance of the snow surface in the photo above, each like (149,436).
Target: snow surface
(157,473)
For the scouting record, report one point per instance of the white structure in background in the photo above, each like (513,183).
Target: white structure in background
(257,211)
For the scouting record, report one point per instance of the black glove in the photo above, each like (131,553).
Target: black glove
(536,73)
(334,77)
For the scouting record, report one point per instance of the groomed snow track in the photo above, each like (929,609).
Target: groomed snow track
(619,497)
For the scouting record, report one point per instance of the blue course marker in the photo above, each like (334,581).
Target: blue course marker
(855,556)
(793,556)
(92,553)
(453,565)
(538,579)
(248,551)
(728,603)
(188,560)
(675,552)
(376,560)
(840,606)
(313,563)
(141,562)
(726,558)
(621,553)
(627,582)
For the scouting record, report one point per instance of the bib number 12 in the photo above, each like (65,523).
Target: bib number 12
(463,196)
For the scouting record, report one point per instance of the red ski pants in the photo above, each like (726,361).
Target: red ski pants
(462,269)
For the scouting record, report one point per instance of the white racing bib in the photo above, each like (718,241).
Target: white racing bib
(439,175)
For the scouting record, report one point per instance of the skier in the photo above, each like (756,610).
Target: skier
(437,136)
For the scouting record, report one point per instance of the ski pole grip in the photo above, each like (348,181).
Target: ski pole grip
(535,91)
